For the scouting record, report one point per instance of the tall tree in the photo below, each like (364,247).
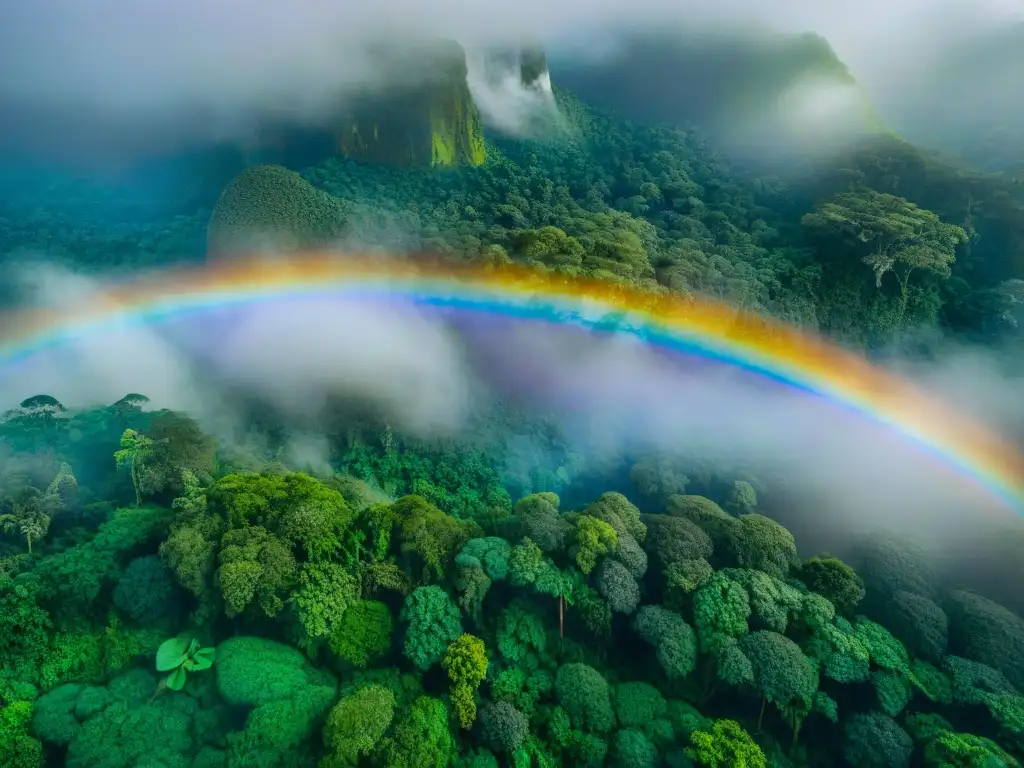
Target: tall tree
(135,449)
(889,234)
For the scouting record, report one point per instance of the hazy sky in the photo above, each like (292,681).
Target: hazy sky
(156,58)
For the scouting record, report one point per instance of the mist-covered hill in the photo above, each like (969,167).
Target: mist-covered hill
(749,90)
(965,100)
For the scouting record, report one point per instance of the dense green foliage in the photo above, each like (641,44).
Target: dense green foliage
(266,617)
(169,601)
(268,201)
(650,204)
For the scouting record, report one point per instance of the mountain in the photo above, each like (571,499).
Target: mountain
(432,121)
(419,114)
(749,90)
(961,101)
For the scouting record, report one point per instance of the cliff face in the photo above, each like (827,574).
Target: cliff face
(430,122)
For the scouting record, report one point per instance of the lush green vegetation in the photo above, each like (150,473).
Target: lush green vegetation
(166,600)
(169,601)
(649,204)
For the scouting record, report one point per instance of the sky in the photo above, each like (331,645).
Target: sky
(203,65)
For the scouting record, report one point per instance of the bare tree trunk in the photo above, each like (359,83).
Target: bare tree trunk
(561,616)
(760,717)
(135,481)
(904,295)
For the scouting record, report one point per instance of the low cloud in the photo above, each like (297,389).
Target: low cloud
(127,73)
(430,371)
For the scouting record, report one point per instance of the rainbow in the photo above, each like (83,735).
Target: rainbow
(704,327)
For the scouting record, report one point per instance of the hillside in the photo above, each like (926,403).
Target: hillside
(967,84)
(644,203)
(750,90)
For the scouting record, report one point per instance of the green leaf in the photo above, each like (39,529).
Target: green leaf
(177,679)
(171,654)
(206,653)
(201,662)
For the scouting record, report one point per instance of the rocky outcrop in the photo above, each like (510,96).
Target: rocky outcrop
(431,121)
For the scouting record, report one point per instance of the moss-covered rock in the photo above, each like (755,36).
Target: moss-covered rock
(430,122)
(268,204)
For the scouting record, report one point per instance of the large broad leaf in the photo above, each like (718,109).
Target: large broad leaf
(177,679)
(171,654)
(206,653)
(200,662)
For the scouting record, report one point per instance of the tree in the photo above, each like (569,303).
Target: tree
(618,587)
(782,674)
(356,724)
(325,592)
(541,521)
(145,592)
(704,513)
(632,749)
(721,609)
(833,579)
(177,444)
(549,246)
(760,543)
(584,694)
(673,639)
(465,661)
(658,477)
(920,624)
(136,448)
(674,539)
(364,633)
(889,234)
(503,726)
(433,624)
(874,740)
(638,704)
(984,631)
(742,498)
(593,538)
(30,515)
(421,737)
(256,567)
(428,536)
(725,745)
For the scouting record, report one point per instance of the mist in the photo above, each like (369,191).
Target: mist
(431,373)
(140,76)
